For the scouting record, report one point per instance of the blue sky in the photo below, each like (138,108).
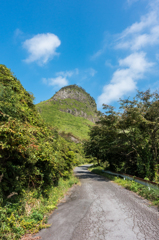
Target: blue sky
(110,48)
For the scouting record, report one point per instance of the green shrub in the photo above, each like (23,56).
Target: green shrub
(31,153)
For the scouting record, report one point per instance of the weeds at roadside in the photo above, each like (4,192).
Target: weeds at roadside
(31,213)
(150,194)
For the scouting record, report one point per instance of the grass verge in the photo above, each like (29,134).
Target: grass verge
(30,214)
(150,194)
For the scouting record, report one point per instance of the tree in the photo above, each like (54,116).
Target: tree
(129,139)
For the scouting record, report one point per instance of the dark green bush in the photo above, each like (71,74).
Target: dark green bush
(32,155)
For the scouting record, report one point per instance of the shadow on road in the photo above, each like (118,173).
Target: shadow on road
(83,173)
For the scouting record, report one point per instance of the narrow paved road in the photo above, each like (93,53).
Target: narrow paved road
(100,209)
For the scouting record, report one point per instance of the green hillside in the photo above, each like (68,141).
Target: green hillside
(56,113)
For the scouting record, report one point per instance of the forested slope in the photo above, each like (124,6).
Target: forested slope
(128,140)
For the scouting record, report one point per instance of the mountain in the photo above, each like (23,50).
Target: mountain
(75,100)
(71,110)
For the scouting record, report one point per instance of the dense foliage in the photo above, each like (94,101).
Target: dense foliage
(128,140)
(32,155)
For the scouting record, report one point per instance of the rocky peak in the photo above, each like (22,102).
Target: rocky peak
(75,92)
(82,103)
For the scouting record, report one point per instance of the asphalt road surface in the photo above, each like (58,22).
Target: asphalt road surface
(100,209)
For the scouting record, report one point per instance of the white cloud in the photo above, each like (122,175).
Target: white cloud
(91,72)
(104,47)
(98,53)
(41,48)
(140,34)
(136,62)
(61,78)
(87,74)
(68,73)
(18,36)
(124,80)
(108,64)
(18,33)
(56,82)
(154,4)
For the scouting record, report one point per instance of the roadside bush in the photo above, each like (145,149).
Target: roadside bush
(32,155)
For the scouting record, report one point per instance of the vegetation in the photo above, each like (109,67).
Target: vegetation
(143,191)
(128,140)
(32,156)
(78,126)
(30,214)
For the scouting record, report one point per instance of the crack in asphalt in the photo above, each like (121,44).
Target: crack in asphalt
(101,210)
